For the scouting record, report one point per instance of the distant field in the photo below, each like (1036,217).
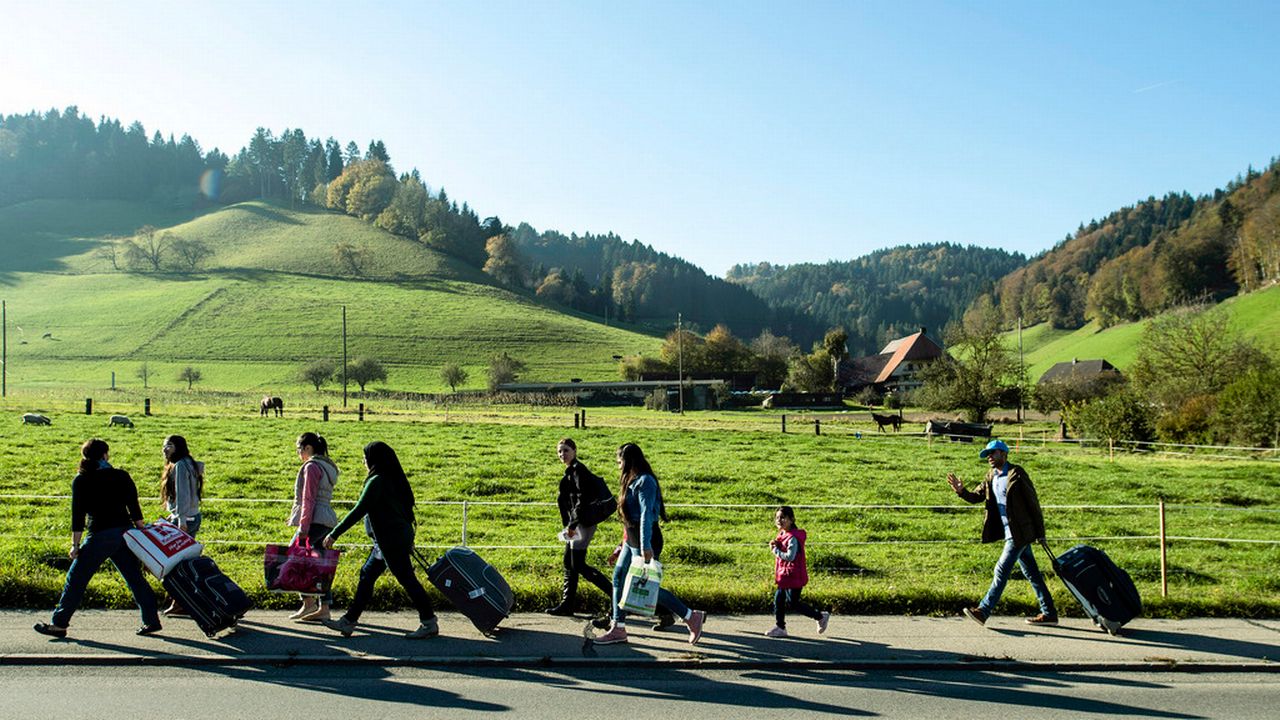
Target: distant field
(1255,315)
(269,301)
(905,559)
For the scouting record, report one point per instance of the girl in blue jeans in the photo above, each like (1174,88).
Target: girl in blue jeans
(640,506)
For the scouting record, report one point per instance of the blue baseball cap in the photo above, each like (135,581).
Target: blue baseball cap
(993,446)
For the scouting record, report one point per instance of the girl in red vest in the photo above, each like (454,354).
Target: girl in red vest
(791,574)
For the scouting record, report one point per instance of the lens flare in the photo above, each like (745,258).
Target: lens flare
(211,183)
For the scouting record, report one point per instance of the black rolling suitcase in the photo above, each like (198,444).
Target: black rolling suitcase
(1105,591)
(211,598)
(473,586)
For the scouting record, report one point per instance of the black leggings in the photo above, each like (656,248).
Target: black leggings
(575,564)
(396,559)
(789,599)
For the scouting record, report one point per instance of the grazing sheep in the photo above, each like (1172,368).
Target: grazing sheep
(35,419)
(120,420)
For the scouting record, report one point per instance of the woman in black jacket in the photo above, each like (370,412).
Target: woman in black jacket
(109,499)
(584,501)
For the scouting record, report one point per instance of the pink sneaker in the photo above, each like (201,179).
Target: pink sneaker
(776,632)
(617,635)
(695,621)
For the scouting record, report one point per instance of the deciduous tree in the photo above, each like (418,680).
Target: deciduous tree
(317,372)
(364,371)
(190,376)
(453,375)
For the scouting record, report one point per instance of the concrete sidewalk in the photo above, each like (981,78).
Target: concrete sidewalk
(101,637)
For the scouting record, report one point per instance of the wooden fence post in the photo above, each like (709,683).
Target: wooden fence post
(464,523)
(1164,568)
(326,413)
(361,412)
(784,423)
(817,426)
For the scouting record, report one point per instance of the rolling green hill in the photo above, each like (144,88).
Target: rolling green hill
(1255,315)
(267,301)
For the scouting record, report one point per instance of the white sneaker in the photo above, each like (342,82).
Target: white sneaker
(776,632)
(430,628)
(822,622)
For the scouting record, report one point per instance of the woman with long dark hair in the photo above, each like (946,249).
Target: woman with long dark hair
(181,487)
(109,499)
(181,484)
(387,500)
(312,512)
(640,506)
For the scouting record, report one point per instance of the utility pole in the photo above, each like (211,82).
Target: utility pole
(1022,371)
(344,356)
(680,357)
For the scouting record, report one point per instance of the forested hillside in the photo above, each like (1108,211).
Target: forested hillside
(1154,255)
(603,274)
(884,295)
(65,155)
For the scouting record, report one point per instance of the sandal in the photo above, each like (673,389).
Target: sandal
(50,629)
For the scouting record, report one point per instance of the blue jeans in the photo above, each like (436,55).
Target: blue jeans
(193,526)
(1026,560)
(97,548)
(789,599)
(666,598)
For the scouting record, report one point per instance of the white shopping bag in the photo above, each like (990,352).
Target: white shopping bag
(640,593)
(161,546)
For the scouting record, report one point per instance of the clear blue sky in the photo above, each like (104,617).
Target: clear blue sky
(720,132)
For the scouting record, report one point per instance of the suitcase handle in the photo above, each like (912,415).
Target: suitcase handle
(1053,559)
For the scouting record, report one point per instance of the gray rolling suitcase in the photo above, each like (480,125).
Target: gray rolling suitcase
(474,587)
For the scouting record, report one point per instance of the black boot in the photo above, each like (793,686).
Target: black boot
(568,596)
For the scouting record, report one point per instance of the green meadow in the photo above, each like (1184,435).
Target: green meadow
(886,534)
(268,301)
(1255,316)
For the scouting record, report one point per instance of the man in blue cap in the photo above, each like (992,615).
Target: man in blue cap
(1012,515)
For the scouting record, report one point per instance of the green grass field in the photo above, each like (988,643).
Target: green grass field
(918,557)
(269,301)
(1255,316)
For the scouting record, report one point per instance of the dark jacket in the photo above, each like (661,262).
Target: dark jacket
(389,510)
(1026,521)
(584,498)
(107,496)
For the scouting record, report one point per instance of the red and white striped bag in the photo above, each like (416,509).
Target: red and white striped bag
(161,546)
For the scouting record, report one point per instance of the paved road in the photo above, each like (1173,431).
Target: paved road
(371,692)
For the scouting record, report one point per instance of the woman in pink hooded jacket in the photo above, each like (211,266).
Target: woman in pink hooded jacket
(791,574)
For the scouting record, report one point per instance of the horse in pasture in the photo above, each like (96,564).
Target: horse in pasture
(272,403)
(882,420)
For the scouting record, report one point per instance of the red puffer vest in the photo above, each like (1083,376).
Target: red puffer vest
(794,574)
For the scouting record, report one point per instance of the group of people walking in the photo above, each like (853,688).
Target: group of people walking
(104,500)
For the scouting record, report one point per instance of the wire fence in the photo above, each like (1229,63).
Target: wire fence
(466,505)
